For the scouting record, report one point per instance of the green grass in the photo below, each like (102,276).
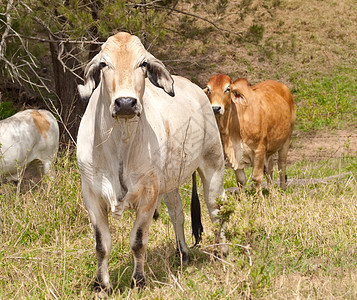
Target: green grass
(282,246)
(295,244)
(298,243)
(327,102)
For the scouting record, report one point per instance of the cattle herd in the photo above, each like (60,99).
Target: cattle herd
(145,132)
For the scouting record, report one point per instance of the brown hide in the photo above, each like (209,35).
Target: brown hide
(41,122)
(218,92)
(256,123)
(266,113)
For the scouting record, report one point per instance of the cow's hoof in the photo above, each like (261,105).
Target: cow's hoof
(100,295)
(183,256)
(101,291)
(99,286)
(138,281)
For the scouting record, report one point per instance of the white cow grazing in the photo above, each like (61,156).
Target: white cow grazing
(27,136)
(140,139)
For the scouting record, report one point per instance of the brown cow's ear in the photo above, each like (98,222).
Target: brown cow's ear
(159,75)
(91,78)
(238,98)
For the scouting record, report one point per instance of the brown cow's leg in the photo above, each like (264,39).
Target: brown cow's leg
(282,158)
(241,179)
(268,170)
(258,171)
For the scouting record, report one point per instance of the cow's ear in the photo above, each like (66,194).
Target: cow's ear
(207,90)
(91,78)
(238,97)
(159,75)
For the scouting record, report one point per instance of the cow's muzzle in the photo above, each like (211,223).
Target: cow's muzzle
(125,107)
(218,110)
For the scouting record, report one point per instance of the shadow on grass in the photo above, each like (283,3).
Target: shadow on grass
(161,266)
(30,179)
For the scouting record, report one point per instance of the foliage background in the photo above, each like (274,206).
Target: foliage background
(46,44)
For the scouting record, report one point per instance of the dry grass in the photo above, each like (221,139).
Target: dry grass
(297,244)
(300,244)
(301,40)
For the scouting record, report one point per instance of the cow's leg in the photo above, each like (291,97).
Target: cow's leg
(212,179)
(241,179)
(258,168)
(268,170)
(98,215)
(139,237)
(174,206)
(282,158)
(157,210)
(48,168)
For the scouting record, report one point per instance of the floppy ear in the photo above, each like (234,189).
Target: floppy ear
(159,75)
(206,90)
(91,78)
(238,97)
(241,91)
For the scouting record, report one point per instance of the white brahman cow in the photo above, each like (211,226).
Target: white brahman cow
(139,139)
(25,137)
(254,122)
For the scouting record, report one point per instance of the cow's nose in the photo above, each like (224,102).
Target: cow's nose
(125,102)
(216,109)
(125,106)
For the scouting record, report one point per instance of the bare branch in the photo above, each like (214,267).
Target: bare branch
(7,30)
(16,71)
(60,40)
(51,106)
(173,9)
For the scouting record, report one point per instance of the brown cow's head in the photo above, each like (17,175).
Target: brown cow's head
(218,91)
(120,67)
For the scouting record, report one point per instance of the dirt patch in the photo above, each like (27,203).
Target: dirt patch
(323,145)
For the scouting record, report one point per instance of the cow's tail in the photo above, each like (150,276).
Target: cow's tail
(197,227)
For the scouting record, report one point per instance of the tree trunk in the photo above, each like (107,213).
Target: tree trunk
(71,108)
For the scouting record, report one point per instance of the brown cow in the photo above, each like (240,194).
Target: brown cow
(254,122)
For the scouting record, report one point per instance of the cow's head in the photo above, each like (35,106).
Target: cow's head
(218,91)
(241,92)
(121,67)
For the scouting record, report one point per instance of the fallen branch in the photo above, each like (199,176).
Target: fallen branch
(177,282)
(247,248)
(218,258)
(297,181)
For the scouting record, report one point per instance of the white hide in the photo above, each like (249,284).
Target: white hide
(27,136)
(133,162)
(172,137)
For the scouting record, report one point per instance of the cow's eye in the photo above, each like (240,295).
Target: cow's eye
(102,65)
(227,90)
(143,64)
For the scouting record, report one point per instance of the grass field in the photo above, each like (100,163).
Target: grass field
(295,244)
(298,244)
